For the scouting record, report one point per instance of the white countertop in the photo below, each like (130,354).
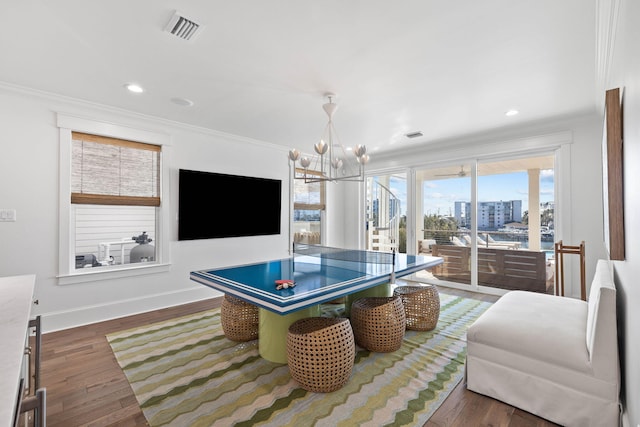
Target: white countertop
(16,294)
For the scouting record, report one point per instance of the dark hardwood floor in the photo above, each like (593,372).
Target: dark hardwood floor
(86,387)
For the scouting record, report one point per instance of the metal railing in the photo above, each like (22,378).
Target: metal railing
(383,223)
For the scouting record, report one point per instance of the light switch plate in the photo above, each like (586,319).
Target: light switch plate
(7,215)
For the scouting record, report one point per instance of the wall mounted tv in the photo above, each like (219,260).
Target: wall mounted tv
(214,205)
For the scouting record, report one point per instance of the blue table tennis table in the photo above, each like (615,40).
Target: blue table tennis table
(320,274)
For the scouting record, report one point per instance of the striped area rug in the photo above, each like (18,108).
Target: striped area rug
(184,372)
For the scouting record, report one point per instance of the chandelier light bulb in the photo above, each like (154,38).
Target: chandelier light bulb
(294,154)
(364,159)
(321,147)
(360,150)
(305,162)
(336,163)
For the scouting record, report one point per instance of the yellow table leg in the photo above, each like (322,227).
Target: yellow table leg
(383,290)
(273,328)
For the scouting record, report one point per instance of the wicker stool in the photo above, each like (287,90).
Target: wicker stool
(320,353)
(378,323)
(421,306)
(239,319)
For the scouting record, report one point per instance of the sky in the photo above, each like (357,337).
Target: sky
(440,195)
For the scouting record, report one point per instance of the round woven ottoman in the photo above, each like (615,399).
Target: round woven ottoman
(320,353)
(378,323)
(239,319)
(421,306)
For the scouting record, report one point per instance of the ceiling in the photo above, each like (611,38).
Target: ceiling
(260,69)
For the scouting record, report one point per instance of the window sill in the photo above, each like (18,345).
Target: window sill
(92,275)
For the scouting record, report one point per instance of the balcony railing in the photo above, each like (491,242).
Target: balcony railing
(383,219)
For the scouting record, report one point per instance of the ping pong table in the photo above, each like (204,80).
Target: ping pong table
(320,274)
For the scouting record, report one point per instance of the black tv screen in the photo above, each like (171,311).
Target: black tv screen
(214,205)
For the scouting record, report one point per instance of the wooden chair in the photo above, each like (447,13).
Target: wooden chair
(559,251)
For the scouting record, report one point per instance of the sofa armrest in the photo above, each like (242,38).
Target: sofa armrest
(602,330)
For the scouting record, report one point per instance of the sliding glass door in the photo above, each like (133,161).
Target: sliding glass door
(515,224)
(494,231)
(443,221)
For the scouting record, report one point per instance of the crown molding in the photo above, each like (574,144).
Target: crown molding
(71,105)
(607,14)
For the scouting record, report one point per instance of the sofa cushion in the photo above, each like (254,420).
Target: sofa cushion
(528,324)
(425,245)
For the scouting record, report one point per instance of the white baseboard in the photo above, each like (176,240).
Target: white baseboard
(86,315)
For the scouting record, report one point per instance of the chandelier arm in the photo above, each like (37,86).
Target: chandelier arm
(337,165)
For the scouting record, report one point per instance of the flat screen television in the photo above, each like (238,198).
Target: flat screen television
(215,205)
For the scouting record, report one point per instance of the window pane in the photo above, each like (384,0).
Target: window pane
(309,202)
(515,224)
(307,226)
(386,213)
(106,235)
(514,234)
(444,218)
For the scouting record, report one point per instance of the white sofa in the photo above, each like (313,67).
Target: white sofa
(555,357)
(424,248)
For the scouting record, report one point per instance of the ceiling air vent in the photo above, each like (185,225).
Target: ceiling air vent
(413,134)
(182,27)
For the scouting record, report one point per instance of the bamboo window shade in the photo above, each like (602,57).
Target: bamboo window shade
(110,171)
(309,196)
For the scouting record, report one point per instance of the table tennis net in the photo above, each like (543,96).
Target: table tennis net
(341,254)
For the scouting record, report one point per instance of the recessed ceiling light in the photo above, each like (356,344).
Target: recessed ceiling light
(511,112)
(135,88)
(183,102)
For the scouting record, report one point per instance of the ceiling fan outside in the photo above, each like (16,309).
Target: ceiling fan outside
(460,174)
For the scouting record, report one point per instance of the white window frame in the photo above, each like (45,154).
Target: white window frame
(67,273)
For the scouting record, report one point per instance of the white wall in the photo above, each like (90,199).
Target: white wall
(625,74)
(29,184)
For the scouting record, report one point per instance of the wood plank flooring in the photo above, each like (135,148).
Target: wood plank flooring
(86,387)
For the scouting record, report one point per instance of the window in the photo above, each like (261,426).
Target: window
(115,187)
(111,201)
(514,228)
(386,222)
(308,208)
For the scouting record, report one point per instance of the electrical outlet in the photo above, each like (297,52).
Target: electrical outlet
(7,215)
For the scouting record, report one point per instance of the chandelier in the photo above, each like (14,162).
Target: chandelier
(332,161)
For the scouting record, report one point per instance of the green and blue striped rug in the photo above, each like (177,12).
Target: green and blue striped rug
(184,372)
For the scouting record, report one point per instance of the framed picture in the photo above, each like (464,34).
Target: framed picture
(612,176)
